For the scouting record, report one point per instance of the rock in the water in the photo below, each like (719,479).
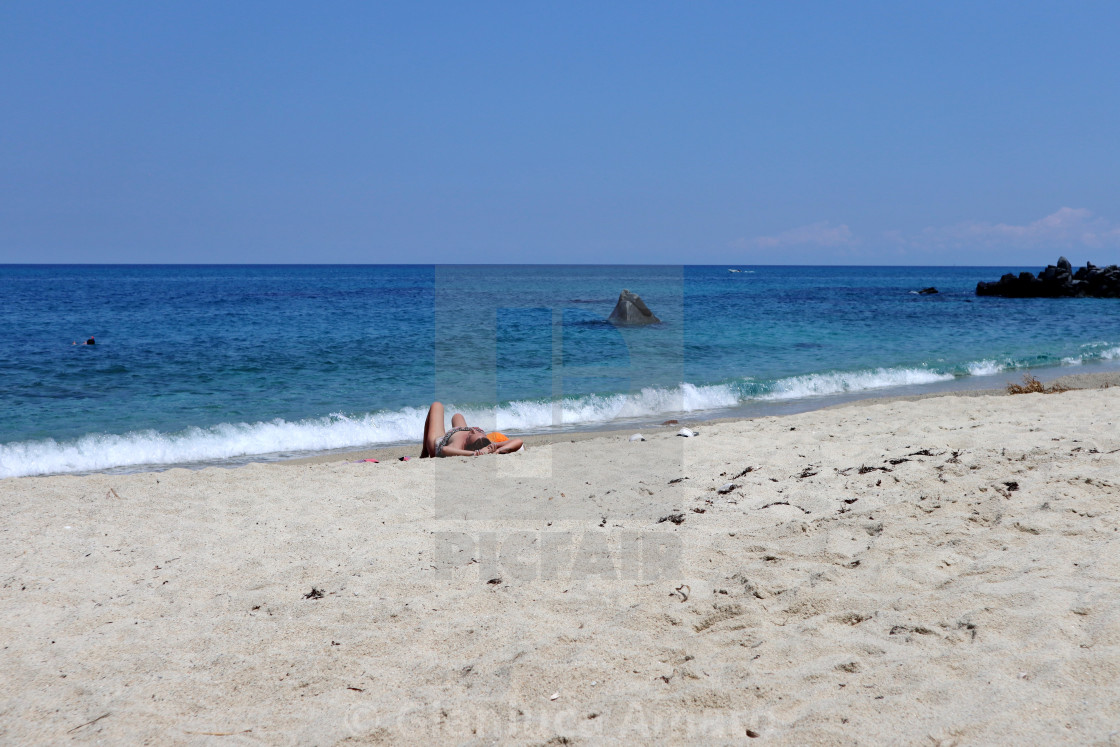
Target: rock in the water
(928,291)
(631,309)
(1057,281)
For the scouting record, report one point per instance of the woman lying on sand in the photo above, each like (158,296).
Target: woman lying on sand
(461,440)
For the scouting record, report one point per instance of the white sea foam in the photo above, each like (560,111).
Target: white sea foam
(230,441)
(591,409)
(225,441)
(816,385)
(1104,351)
(985,368)
(1072,361)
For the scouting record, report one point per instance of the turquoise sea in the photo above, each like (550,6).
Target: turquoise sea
(228,364)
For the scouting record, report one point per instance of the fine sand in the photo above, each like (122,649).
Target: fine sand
(937,571)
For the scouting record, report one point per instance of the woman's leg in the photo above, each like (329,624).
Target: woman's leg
(458,421)
(433,430)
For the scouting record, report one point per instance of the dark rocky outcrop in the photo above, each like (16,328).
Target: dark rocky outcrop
(928,291)
(631,309)
(1057,281)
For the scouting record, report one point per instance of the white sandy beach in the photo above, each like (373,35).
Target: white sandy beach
(941,571)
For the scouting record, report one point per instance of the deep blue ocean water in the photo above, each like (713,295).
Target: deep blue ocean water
(226,364)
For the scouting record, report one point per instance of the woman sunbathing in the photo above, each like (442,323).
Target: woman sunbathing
(461,440)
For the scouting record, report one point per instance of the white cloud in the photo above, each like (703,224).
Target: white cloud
(1067,228)
(821,233)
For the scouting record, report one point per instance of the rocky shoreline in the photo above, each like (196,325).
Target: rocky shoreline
(1057,281)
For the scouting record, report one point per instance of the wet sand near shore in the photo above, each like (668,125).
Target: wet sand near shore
(391,453)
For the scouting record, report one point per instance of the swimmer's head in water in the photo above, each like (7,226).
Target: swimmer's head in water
(481,443)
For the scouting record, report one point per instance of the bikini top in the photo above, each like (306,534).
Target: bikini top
(446,437)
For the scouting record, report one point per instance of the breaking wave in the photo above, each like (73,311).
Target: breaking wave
(985,368)
(233,443)
(815,385)
(277,439)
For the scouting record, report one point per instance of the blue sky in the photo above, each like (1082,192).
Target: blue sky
(738,133)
